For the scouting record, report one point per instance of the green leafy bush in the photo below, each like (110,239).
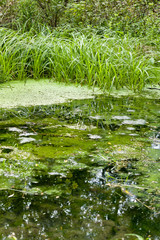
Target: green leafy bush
(137,17)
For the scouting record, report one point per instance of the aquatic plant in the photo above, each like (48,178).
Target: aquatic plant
(55,163)
(105,61)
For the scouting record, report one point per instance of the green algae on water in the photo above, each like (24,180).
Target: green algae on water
(41,92)
(92,161)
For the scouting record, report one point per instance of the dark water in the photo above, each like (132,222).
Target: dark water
(84,170)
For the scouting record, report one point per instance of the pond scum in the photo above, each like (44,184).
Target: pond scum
(88,169)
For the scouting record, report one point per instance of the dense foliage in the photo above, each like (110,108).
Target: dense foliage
(104,43)
(94,60)
(139,17)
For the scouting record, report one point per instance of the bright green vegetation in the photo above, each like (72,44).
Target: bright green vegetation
(88,164)
(87,169)
(103,61)
(99,43)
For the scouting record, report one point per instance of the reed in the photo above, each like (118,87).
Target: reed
(101,61)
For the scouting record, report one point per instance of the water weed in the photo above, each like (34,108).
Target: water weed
(101,61)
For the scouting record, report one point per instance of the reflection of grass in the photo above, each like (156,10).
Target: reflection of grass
(104,62)
(138,237)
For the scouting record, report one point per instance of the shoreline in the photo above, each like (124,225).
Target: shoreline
(47,92)
(41,92)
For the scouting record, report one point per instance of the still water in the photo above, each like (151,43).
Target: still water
(88,169)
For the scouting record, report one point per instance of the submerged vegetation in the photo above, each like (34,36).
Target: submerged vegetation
(88,169)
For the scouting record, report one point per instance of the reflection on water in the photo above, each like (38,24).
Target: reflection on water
(85,170)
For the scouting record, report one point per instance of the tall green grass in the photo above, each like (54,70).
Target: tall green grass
(101,61)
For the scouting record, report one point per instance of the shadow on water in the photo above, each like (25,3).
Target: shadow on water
(82,170)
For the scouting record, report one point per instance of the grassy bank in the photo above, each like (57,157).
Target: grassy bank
(96,60)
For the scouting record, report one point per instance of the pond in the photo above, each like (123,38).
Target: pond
(87,169)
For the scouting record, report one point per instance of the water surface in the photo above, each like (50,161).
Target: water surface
(89,169)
